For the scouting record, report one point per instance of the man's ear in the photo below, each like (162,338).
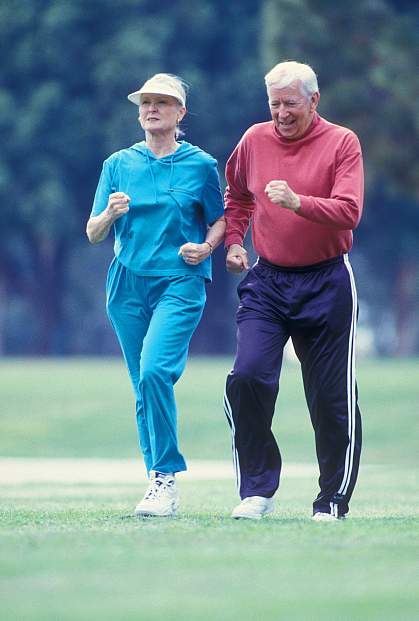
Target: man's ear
(315,98)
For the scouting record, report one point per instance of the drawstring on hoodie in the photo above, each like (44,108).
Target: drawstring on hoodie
(185,151)
(153,179)
(172,194)
(171,170)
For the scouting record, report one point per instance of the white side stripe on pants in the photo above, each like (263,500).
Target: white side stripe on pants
(350,386)
(334,509)
(229,414)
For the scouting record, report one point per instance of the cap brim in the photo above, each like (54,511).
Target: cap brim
(135,97)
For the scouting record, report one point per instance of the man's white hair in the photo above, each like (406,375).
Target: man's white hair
(286,73)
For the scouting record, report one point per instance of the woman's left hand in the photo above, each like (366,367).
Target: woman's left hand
(193,254)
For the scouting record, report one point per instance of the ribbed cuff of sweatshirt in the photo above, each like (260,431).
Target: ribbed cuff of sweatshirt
(231,239)
(305,206)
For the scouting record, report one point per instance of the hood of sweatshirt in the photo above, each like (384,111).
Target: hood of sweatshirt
(184,151)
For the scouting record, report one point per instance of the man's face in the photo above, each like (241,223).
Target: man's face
(291,110)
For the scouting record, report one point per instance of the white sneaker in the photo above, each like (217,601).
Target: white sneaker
(253,508)
(161,498)
(325,517)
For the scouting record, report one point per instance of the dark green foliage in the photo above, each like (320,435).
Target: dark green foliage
(365,54)
(66,70)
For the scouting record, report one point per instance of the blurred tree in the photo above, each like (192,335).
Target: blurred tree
(46,111)
(366,57)
(69,66)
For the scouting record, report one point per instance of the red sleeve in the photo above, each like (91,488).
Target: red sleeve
(239,202)
(343,209)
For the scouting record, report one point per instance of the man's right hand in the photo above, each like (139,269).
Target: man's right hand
(117,205)
(236,260)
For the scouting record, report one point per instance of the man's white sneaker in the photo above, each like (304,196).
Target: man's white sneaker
(161,498)
(253,508)
(325,517)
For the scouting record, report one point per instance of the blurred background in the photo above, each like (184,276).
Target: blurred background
(67,67)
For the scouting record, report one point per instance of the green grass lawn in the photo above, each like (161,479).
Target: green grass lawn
(84,408)
(76,553)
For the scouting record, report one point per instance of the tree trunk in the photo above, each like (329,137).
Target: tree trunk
(47,294)
(406,309)
(3,313)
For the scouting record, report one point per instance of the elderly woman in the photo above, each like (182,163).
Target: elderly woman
(162,197)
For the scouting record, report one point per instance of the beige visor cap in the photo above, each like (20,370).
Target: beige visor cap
(160,84)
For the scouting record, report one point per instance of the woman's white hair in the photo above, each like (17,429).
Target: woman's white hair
(286,73)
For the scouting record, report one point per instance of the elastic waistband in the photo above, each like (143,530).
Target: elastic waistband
(300,268)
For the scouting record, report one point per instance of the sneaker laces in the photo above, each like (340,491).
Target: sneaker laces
(157,487)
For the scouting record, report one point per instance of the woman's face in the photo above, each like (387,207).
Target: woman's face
(159,114)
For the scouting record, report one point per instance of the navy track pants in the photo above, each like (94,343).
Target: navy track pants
(316,306)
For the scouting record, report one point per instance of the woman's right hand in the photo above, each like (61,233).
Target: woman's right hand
(117,205)
(98,227)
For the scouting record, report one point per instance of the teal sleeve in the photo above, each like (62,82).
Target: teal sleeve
(104,188)
(212,198)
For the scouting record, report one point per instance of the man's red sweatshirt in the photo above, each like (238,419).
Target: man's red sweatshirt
(324,167)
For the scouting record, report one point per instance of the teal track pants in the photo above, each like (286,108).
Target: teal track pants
(154,319)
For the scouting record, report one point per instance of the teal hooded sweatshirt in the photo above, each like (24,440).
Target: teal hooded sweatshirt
(173,201)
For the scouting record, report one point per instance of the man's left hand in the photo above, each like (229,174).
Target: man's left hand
(280,193)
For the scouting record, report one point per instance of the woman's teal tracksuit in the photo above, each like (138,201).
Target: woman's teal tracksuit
(154,299)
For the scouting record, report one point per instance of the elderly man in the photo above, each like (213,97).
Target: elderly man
(299,179)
